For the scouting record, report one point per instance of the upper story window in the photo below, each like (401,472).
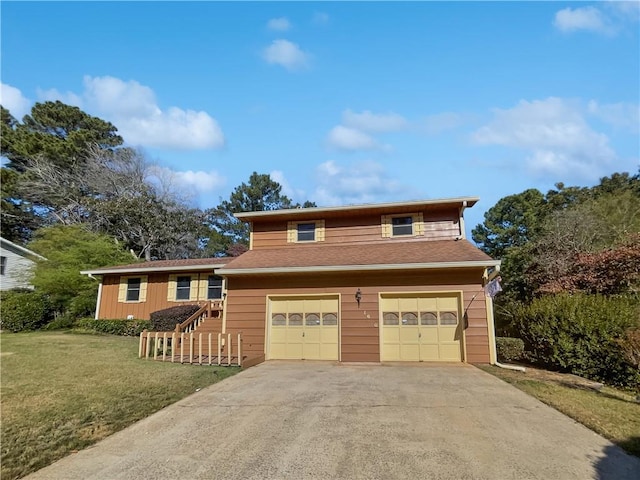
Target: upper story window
(133,289)
(214,287)
(403,225)
(3,265)
(306,231)
(183,288)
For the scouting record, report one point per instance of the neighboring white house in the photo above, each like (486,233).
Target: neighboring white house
(16,263)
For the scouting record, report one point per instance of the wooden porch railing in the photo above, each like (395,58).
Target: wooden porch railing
(192,347)
(191,323)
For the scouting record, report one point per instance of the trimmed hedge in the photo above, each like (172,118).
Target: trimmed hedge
(165,320)
(582,334)
(509,349)
(127,328)
(24,310)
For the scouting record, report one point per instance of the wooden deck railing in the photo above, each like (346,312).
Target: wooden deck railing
(191,323)
(192,347)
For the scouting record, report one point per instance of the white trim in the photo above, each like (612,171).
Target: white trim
(313,211)
(126,271)
(342,268)
(26,251)
(98,301)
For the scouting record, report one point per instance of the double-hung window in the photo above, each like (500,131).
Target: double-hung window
(306,232)
(214,287)
(133,289)
(3,265)
(401,226)
(183,288)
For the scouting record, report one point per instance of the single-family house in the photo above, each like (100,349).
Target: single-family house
(366,283)
(16,264)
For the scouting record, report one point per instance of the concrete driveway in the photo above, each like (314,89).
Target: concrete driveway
(307,420)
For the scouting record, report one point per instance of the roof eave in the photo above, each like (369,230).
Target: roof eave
(359,268)
(183,268)
(462,201)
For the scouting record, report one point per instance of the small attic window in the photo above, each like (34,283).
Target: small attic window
(306,232)
(402,226)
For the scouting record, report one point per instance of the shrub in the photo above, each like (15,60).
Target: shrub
(165,320)
(61,323)
(128,328)
(509,349)
(580,334)
(24,310)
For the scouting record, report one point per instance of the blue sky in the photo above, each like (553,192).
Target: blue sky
(345,102)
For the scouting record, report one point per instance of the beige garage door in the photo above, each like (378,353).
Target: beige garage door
(421,328)
(303,328)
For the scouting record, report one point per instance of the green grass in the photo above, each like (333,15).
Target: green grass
(612,413)
(62,392)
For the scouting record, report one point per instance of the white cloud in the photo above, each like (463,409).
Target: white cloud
(320,18)
(281,24)
(12,99)
(608,18)
(133,109)
(556,134)
(581,18)
(286,54)
(374,122)
(440,122)
(287,189)
(350,139)
(363,182)
(53,94)
(185,181)
(620,115)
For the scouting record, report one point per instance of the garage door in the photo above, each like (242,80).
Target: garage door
(421,328)
(304,328)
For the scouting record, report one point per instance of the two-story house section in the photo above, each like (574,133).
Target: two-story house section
(367,283)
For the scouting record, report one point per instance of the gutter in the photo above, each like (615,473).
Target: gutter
(183,268)
(359,268)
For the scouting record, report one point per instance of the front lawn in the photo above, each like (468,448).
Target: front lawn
(611,413)
(62,392)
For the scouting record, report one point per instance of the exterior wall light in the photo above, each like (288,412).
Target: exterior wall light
(358,297)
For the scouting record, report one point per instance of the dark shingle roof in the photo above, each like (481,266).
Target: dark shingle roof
(384,253)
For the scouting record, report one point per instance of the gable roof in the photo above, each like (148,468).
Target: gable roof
(25,252)
(375,256)
(190,264)
(377,208)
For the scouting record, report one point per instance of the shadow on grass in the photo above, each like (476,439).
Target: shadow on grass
(616,464)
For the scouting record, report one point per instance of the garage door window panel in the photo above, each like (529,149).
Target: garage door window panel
(330,319)
(429,318)
(409,318)
(278,320)
(390,318)
(312,319)
(295,319)
(448,318)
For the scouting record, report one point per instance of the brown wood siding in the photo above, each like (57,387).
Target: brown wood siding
(156,299)
(246,306)
(438,225)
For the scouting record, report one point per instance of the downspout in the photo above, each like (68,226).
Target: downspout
(99,297)
(493,354)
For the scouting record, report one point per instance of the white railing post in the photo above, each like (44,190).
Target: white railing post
(191,348)
(239,351)
(209,351)
(200,348)
(146,354)
(141,343)
(228,349)
(181,347)
(174,341)
(164,346)
(219,347)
